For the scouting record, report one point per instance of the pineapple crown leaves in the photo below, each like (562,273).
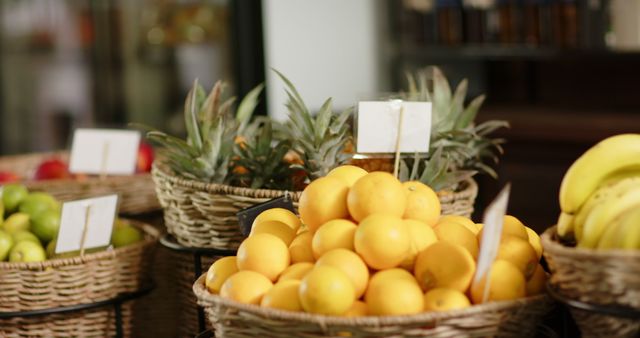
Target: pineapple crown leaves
(211,128)
(261,158)
(319,140)
(453,125)
(436,171)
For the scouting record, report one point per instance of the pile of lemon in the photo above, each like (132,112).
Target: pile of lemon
(367,244)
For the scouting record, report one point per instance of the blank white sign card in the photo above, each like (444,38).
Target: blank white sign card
(491,234)
(99,215)
(377,127)
(104,151)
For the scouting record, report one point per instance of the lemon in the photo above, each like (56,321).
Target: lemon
(323,200)
(443,299)
(283,295)
(510,226)
(123,235)
(337,233)
(326,290)
(218,273)
(376,192)
(265,254)
(535,242)
(464,221)
(421,236)
(422,203)
(351,264)
(17,222)
(395,273)
(349,174)
(300,248)
(382,240)
(444,265)
(519,252)
(506,283)
(279,214)
(358,309)
(393,296)
(246,287)
(27,251)
(537,282)
(276,228)
(296,271)
(6,242)
(455,233)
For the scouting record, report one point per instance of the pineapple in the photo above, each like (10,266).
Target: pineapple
(320,141)
(212,129)
(458,147)
(260,162)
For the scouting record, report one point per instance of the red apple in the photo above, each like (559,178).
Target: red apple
(8,176)
(52,169)
(145,158)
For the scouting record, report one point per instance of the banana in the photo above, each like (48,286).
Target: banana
(565,225)
(613,185)
(597,198)
(610,238)
(627,196)
(630,230)
(610,155)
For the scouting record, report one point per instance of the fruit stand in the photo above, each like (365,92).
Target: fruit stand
(358,248)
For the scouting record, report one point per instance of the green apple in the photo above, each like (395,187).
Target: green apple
(6,242)
(38,202)
(24,235)
(125,235)
(12,196)
(1,213)
(27,251)
(16,222)
(46,224)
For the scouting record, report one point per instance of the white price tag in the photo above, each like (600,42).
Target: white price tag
(378,127)
(104,151)
(491,234)
(90,221)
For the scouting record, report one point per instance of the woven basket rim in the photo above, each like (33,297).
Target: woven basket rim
(151,235)
(202,294)
(90,179)
(552,244)
(469,186)
(161,169)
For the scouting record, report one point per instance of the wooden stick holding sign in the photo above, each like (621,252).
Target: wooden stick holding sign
(105,157)
(491,234)
(85,227)
(398,106)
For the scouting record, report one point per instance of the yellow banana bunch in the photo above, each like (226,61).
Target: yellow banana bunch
(623,232)
(599,193)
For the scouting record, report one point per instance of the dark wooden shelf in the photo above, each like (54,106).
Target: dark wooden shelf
(556,125)
(420,53)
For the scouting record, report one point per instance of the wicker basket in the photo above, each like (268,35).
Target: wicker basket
(89,323)
(73,281)
(203,215)
(506,319)
(461,201)
(605,278)
(137,194)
